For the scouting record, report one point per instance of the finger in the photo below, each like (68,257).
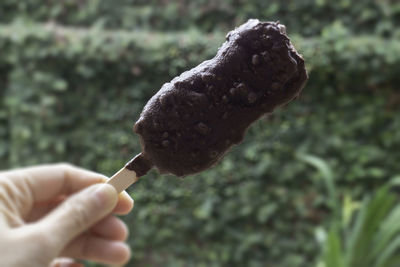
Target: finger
(88,247)
(39,210)
(125,204)
(65,262)
(78,212)
(111,228)
(57,179)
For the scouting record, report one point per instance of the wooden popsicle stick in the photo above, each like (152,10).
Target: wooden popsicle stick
(123,179)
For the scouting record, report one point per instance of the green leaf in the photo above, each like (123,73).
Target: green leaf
(333,254)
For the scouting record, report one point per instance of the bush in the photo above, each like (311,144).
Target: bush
(308,17)
(74,80)
(373,238)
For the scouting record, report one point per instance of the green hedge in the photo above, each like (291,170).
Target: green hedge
(70,94)
(54,71)
(308,17)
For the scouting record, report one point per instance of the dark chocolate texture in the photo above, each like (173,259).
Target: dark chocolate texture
(139,165)
(193,120)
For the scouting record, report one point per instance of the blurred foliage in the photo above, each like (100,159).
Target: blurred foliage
(308,17)
(363,233)
(371,240)
(74,80)
(72,93)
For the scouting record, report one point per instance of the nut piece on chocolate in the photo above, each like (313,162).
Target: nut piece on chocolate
(193,120)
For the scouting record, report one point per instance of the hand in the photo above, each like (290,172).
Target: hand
(59,210)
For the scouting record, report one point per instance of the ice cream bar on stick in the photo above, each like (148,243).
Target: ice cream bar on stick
(192,121)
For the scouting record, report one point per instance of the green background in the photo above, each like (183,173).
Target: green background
(75,74)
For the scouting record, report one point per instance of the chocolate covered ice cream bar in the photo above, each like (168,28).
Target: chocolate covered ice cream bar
(192,121)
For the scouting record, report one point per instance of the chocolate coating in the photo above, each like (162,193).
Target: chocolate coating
(139,165)
(192,121)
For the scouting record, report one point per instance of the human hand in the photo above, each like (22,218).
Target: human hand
(53,211)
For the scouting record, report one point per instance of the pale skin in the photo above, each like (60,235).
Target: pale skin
(51,215)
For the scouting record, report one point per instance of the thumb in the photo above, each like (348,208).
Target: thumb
(78,212)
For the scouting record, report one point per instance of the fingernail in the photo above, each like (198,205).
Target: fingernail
(105,195)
